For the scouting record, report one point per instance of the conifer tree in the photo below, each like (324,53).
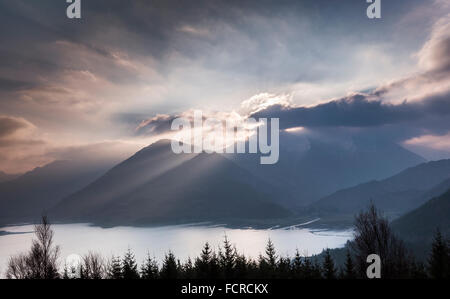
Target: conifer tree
(252,269)
(349,270)
(438,262)
(297,266)
(268,262)
(283,268)
(214,267)
(227,259)
(188,269)
(241,267)
(271,255)
(129,266)
(202,264)
(316,270)
(308,269)
(169,269)
(329,271)
(149,269)
(115,268)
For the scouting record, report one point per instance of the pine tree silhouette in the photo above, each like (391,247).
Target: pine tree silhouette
(241,267)
(115,268)
(438,262)
(188,271)
(202,264)
(268,262)
(329,271)
(298,267)
(308,269)
(227,259)
(129,266)
(149,269)
(283,269)
(349,270)
(169,269)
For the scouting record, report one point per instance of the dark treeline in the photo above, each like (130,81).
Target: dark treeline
(372,235)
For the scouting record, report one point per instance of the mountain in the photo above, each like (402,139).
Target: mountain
(309,168)
(418,227)
(25,198)
(157,186)
(434,192)
(5,177)
(397,194)
(421,224)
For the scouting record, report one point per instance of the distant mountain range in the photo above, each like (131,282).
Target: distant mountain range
(309,169)
(421,224)
(157,186)
(418,227)
(395,195)
(28,196)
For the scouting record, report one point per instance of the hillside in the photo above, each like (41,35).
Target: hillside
(27,197)
(421,224)
(395,195)
(203,187)
(309,168)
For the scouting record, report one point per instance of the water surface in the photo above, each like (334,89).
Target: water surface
(184,240)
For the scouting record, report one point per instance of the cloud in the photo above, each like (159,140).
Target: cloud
(434,141)
(435,54)
(10,125)
(264,100)
(405,110)
(161,124)
(158,124)
(433,147)
(358,110)
(23,146)
(434,65)
(84,82)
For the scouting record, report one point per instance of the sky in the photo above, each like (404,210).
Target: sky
(103,86)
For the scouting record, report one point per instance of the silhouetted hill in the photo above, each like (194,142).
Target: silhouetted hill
(421,224)
(309,169)
(145,189)
(398,194)
(152,185)
(25,198)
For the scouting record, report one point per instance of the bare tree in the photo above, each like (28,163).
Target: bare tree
(93,266)
(373,235)
(17,267)
(42,260)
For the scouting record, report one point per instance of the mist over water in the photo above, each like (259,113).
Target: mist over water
(184,241)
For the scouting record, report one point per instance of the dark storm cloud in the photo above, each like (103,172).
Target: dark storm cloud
(9,125)
(359,111)
(14,85)
(265,38)
(146,57)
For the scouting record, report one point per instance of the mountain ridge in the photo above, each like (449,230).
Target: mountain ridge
(400,193)
(201,187)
